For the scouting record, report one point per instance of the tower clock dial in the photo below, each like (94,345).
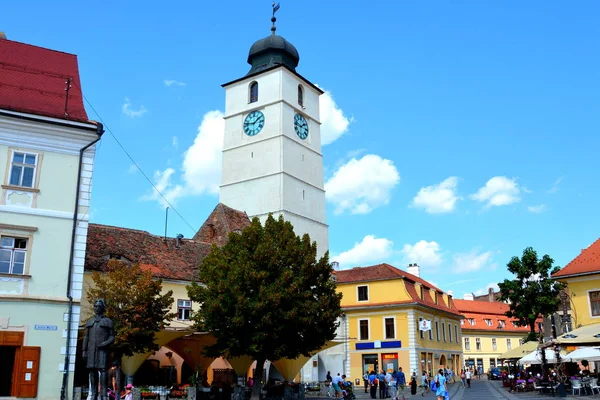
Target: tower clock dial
(253,123)
(301,126)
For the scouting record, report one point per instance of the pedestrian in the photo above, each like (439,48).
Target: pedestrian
(128,392)
(463,378)
(336,382)
(382,385)
(468,377)
(424,383)
(373,382)
(392,384)
(441,389)
(401,382)
(413,384)
(366,380)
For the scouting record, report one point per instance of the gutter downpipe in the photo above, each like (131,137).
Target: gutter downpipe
(63,389)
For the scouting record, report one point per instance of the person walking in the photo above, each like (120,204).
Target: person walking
(366,381)
(424,383)
(468,377)
(382,385)
(463,379)
(401,382)
(392,384)
(336,382)
(441,390)
(373,384)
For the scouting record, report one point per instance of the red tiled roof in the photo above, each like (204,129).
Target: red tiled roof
(167,259)
(222,221)
(491,310)
(32,80)
(377,273)
(385,272)
(588,262)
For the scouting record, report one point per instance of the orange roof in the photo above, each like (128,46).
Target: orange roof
(586,263)
(385,272)
(492,311)
(378,272)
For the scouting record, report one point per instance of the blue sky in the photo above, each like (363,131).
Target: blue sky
(464,131)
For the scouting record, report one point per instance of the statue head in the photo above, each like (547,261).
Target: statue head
(99,307)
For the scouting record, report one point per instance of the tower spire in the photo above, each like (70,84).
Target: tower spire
(273,19)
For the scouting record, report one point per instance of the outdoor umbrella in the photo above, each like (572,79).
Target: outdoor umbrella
(535,357)
(585,353)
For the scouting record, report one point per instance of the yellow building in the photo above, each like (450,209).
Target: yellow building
(582,277)
(487,332)
(47,150)
(384,309)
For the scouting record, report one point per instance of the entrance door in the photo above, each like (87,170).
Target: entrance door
(370,363)
(7,355)
(389,362)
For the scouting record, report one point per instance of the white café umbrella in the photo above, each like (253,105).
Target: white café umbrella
(535,357)
(585,353)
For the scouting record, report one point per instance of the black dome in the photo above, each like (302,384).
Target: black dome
(270,51)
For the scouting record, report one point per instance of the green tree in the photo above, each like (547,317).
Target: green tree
(135,304)
(532,293)
(266,295)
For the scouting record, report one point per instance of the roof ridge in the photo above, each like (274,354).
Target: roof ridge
(121,228)
(40,47)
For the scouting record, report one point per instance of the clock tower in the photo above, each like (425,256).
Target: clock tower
(272,161)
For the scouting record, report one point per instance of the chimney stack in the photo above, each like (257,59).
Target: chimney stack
(335,265)
(491,295)
(468,296)
(414,269)
(451,293)
(2,35)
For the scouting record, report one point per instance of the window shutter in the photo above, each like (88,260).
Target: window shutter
(28,367)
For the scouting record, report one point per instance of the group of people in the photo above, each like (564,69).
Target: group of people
(339,386)
(388,384)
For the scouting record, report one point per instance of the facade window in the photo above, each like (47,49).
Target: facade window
(501,323)
(521,342)
(462,322)
(390,328)
(494,345)
(420,331)
(363,293)
(184,309)
(253,92)
(467,344)
(23,168)
(595,303)
(301,95)
(363,327)
(471,321)
(478,344)
(450,333)
(13,252)
(488,322)
(444,331)
(508,344)
(431,334)
(421,291)
(437,331)
(456,333)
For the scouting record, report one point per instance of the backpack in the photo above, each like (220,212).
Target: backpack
(375,381)
(433,385)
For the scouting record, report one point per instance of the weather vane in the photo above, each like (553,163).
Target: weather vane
(273,19)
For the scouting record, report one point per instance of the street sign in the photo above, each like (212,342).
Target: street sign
(45,327)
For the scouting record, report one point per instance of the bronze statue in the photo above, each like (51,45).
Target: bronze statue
(99,335)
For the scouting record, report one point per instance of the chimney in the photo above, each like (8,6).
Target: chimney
(335,265)
(414,269)
(451,293)
(491,294)
(468,296)
(2,35)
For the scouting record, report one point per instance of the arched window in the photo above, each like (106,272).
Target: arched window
(301,95)
(253,92)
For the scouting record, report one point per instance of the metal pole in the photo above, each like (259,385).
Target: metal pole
(166,221)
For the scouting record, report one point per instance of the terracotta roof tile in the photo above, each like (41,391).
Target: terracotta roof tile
(167,259)
(32,80)
(385,272)
(222,221)
(482,310)
(588,262)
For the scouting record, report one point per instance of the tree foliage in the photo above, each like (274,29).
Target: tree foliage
(532,293)
(135,304)
(265,295)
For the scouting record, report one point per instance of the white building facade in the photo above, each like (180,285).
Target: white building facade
(46,163)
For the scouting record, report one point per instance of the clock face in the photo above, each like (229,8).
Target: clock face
(301,126)
(253,123)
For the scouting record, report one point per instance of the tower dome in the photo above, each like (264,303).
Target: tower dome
(270,51)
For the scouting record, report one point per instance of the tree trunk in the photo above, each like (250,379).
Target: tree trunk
(256,390)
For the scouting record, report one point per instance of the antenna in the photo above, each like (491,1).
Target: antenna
(166,221)
(273,19)
(67,88)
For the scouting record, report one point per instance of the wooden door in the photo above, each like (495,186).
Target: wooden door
(10,338)
(28,370)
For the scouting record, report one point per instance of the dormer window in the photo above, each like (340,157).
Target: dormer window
(501,323)
(301,95)
(253,92)
(421,292)
(471,321)
(488,322)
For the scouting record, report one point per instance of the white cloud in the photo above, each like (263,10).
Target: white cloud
(371,249)
(498,191)
(437,199)
(175,142)
(361,185)
(472,262)
(486,288)
(556,185)
(172,82)
(426,254)
(201,167)
(127,110)
(540,208)
(333,121)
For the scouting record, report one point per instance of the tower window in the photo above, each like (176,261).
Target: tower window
(253,92)
(301,95)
